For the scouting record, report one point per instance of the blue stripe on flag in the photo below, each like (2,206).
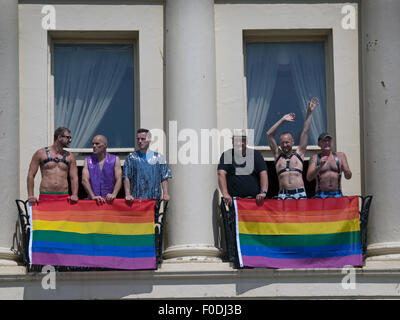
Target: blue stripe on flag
(93,250)
(302,252)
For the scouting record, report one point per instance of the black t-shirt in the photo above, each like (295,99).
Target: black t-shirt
(242,176)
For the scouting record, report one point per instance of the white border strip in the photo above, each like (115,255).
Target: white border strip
(237,233)
(30,232)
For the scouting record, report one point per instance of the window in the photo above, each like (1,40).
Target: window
(281,77)
(94,92)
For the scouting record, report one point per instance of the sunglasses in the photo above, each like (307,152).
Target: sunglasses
(68,137)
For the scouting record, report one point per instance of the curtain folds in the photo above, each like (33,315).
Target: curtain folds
(261,69)
(87,78)
(306,62)
(308,70)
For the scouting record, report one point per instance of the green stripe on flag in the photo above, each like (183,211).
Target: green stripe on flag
(95,238)
(300,240)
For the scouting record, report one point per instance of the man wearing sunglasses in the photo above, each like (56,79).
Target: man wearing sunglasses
(56,165)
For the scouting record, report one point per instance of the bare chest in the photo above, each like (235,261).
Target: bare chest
(52,166)
(332,165)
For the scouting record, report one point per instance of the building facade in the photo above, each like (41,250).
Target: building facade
(193,67)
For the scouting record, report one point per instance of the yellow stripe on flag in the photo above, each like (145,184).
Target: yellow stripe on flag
(299,228)
(95,227)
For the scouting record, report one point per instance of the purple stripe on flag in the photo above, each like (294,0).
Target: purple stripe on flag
(56,259)
(332,262)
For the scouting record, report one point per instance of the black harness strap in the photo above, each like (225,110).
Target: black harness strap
(338,170)
(49,158)
(288,168)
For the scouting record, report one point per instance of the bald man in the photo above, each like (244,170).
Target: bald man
(102,173)
(289,163)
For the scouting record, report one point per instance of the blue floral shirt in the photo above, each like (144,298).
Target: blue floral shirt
(146,172)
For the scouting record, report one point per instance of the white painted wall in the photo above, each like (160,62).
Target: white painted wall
(230,22)
(35,107)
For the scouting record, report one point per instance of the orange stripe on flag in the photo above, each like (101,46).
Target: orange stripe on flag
(92,216)
(298,217)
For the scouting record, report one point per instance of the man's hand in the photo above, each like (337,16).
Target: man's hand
(313,104)
(323,161)
(290,117)
(73,199)
(110,198)
(99,200)
(260,198)
(129,199)
(33,200)
(227,199)
(165,197)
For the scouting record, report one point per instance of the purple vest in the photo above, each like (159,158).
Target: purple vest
(103,181)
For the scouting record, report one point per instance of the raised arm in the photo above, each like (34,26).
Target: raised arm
(306,127)
(290,117)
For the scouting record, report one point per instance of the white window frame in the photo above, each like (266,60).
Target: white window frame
(78,37)
(298,35)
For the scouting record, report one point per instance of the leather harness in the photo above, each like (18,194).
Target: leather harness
(49,158)
(288,168)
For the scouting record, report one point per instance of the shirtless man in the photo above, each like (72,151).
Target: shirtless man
(327,167)
(288,163)
(55,165)
(102,173)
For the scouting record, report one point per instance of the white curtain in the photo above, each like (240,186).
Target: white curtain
(87,78)
(308,69)
(261,71)
(307,66)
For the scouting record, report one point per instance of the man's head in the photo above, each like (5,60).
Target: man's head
(286,142)
(99,144)
(143,138)
(239,141)
(62,136)
(325,141)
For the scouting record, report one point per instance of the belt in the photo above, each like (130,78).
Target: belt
(293,191)
(330,192)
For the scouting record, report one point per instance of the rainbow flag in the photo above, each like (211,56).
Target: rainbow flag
(304,233)
(85,234)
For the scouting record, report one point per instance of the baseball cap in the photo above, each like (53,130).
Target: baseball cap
(324,135)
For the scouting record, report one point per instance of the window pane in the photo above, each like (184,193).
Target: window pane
(282,78)
(93,92)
